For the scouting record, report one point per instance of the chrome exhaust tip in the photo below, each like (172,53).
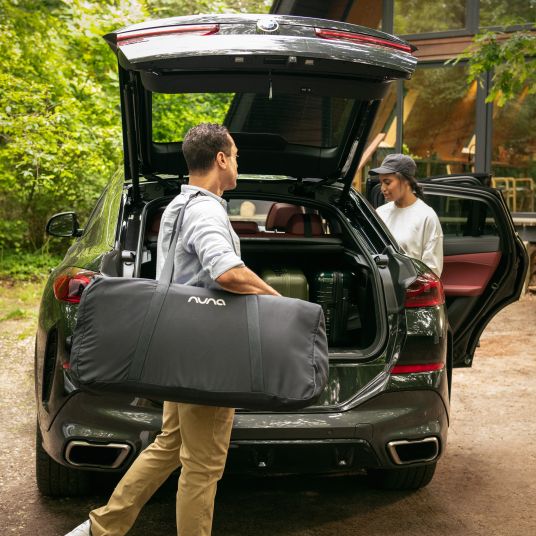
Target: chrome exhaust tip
(414,450)
(97,455)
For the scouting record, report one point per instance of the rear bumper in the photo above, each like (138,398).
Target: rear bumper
(349,441)
(331,442)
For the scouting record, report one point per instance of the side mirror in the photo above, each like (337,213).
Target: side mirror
(64,224)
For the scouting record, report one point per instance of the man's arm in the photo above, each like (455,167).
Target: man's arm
(242,280)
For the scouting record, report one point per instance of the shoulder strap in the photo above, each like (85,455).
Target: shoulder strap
(166,276)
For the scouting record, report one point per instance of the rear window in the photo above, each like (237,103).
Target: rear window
(249,210)
(175,113)
(299,119)
(274,217)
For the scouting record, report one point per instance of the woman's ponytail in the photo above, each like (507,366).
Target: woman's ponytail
(415,186)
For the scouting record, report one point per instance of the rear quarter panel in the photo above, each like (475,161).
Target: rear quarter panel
(59,318)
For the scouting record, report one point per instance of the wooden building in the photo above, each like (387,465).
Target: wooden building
(437,117)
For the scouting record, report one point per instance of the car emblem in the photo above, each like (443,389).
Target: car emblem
(268,25)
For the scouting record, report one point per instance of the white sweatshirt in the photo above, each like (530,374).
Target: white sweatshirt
(417,230)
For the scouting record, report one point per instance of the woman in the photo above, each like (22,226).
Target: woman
(412,222)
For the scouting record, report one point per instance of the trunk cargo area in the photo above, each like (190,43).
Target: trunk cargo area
(324,269)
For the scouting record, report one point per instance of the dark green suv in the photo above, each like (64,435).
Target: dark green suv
(299,97)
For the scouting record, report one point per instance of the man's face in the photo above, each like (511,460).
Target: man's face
(232,169)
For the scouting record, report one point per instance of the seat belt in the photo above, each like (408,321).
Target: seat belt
(307,227)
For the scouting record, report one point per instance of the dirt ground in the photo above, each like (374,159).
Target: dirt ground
(485,483)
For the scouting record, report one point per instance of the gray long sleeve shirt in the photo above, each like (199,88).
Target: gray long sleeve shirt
(207,245)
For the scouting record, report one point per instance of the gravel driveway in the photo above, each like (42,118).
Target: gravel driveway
(485,483)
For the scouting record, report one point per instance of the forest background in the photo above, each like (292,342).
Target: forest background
(60,120)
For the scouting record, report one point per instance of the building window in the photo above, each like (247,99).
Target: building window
(427,16)
(365,13)
(506,12)
(381,140)
(439,120)
(513,160)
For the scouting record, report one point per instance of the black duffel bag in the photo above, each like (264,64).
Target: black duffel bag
(167,341)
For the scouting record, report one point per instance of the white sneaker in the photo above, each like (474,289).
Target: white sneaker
(82,530)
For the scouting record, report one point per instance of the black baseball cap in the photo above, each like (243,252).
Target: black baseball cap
(397,162)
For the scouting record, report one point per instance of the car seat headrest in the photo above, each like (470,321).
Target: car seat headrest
(245,227)
(280,214)
(305,225)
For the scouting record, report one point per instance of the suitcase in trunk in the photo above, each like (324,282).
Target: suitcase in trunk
(289,282)
(335,291)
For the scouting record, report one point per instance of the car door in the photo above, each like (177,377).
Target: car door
(485,261)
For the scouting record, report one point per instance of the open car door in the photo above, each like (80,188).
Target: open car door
(485,261)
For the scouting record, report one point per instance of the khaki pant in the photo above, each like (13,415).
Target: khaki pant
(194,437)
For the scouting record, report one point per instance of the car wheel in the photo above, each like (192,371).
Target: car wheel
(404,478)
(56,480)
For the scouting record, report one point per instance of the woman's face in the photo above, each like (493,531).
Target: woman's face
(393,189)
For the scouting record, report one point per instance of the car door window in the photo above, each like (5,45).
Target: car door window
(469,225)
(472,251)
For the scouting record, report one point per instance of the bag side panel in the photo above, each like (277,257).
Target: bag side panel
(111,315)
(290,329)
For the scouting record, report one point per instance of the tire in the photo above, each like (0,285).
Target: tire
(56,480)
(404,478)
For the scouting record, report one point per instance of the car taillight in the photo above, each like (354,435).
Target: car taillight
(409,369)
(69,284)
(184,31)
(360,38)
(425,291)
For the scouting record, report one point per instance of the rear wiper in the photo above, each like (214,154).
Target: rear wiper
(308,187)
(169,186)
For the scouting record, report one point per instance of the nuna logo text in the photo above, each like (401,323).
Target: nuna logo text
(206,301)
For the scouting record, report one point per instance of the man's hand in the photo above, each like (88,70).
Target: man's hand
(242,280)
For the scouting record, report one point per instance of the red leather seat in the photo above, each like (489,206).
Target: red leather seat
(153,225)
(280,214)
(305,225)
(245,227)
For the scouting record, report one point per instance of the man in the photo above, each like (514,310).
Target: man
(194,437)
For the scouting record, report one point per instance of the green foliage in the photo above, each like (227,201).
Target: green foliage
(24,266)
(510,57)
(175,114)
(13,233)
(15,314)
(59,117)
(176,8)
(60,125)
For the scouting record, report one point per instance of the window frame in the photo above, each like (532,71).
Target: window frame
(483,118)
(472,24)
